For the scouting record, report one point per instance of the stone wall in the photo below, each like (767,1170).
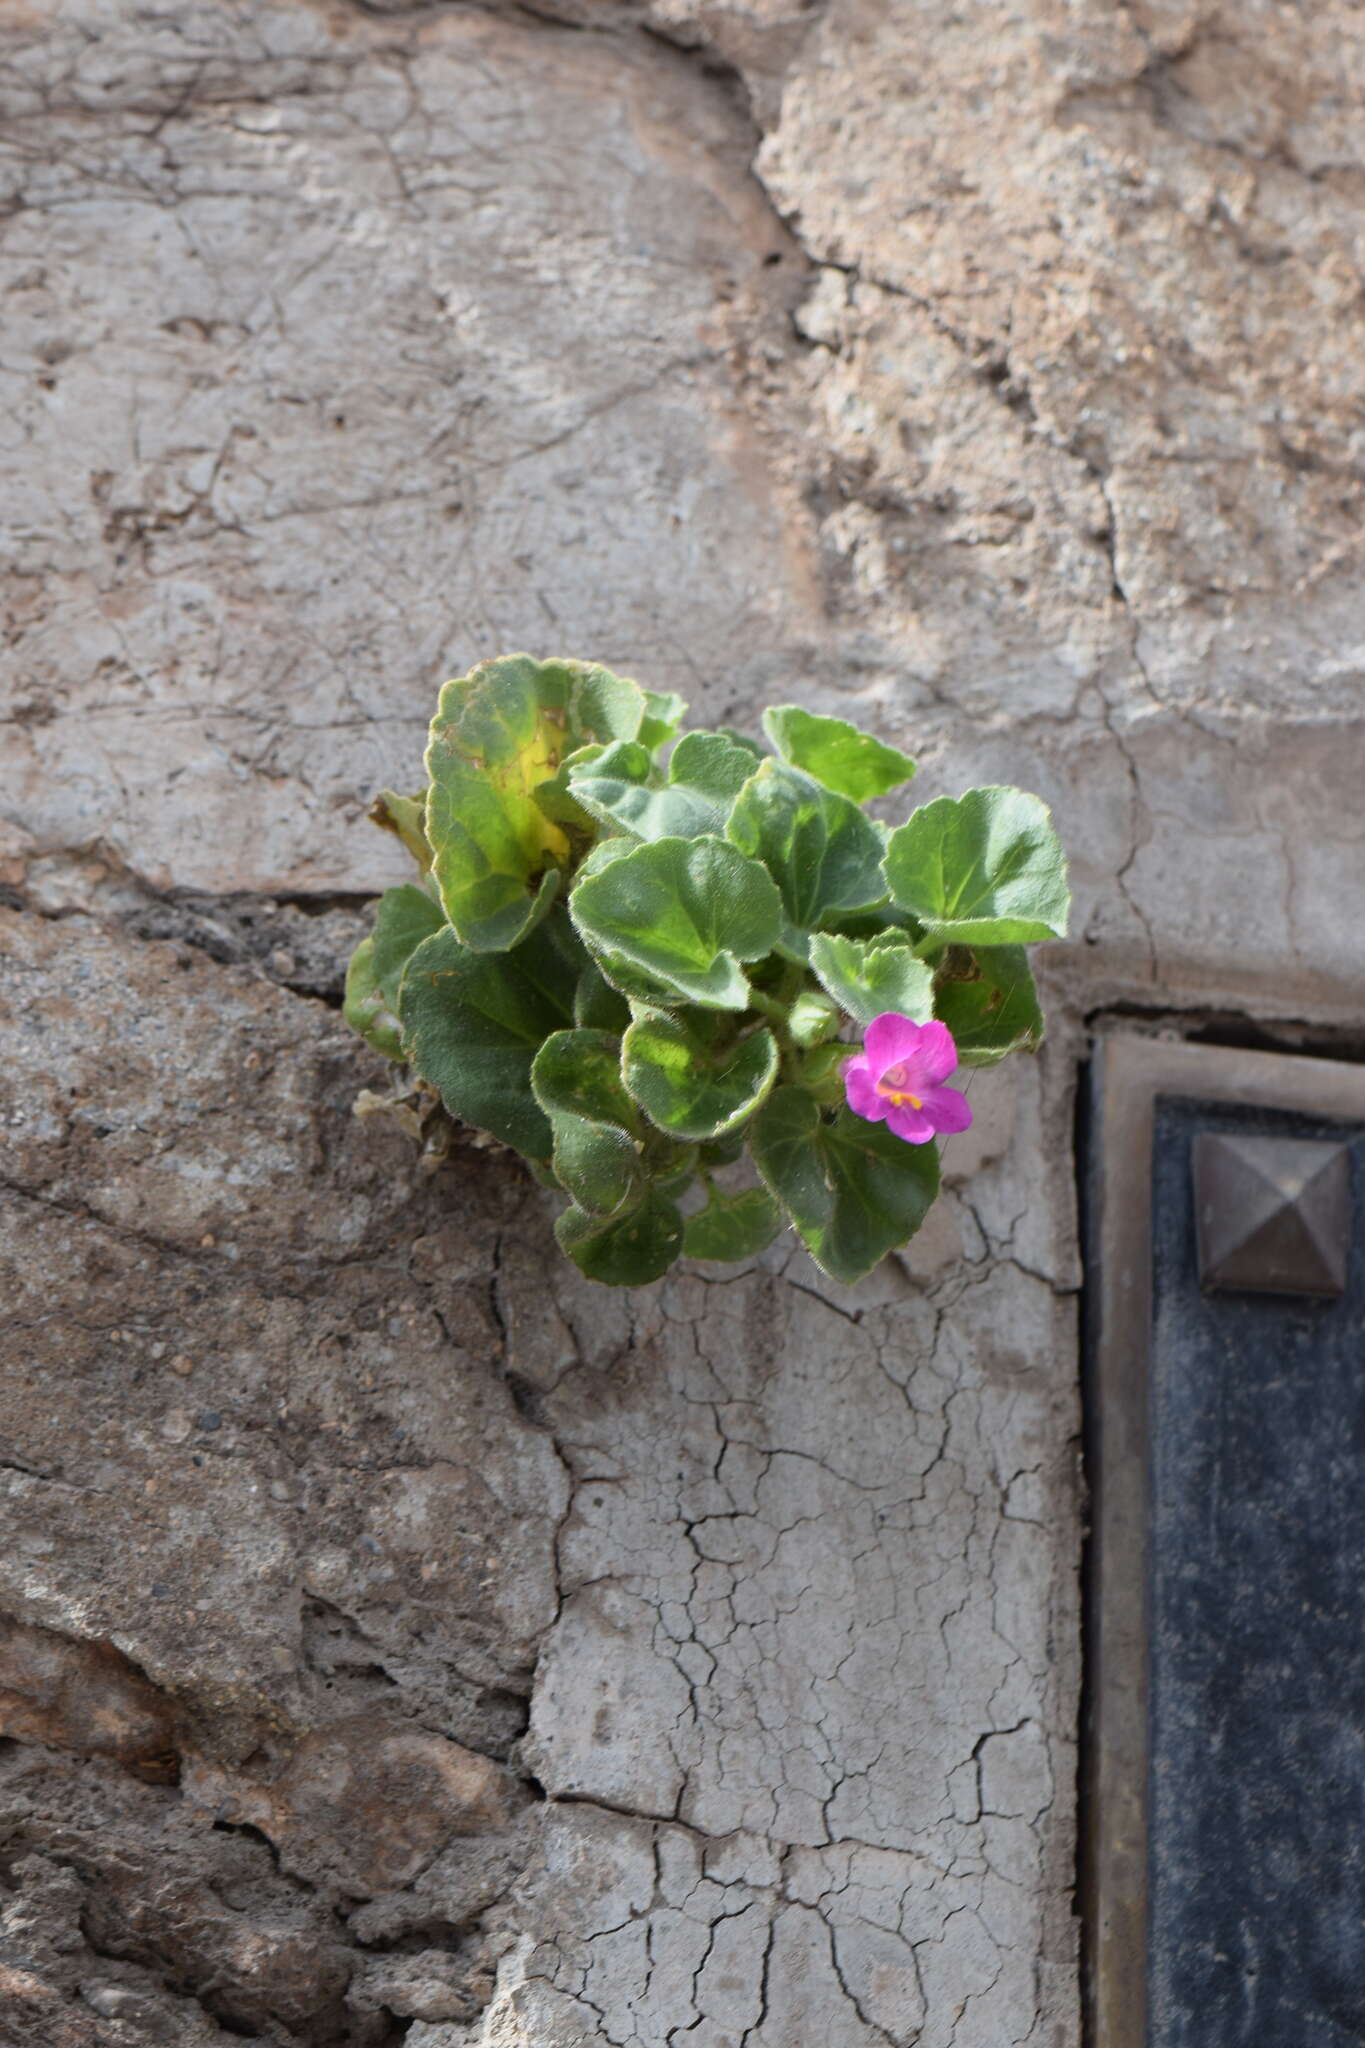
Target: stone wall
(405,1639)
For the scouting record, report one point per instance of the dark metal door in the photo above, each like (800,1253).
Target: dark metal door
(1223,1860)
(1256,1559)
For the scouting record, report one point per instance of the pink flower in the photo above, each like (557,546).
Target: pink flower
(897,1078)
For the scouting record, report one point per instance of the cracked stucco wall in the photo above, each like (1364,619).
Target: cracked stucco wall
(402,1639)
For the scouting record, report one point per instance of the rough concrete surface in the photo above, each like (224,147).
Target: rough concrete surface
(403,1639)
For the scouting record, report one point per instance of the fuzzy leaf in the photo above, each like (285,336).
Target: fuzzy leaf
(635,983)
(665,711)
(813,1018)
(712,762)
(704,776)
(745,741)
(850,1187)
(576,1077)
(554,798)
(406,818)
(836,753)
(866,978)
(733,1226)
(824,855)
(987,999)
(474,1023)
(624,1251)
(685,911)
(647,813)
(722,1151)
(982,869)
(597,1006)
(685,1087)
(406,915)
(499,734)
(364,1008)
(601,706)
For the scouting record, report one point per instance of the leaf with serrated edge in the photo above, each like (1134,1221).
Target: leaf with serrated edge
(687,912)
(406,915)
(602,707)
(733,1227)
(363,1006)
(712,762)
(686,1088)
(624,1251)
(823,854)
(474,1023)
(705,774)
(981,869)
(645,813)
(665,711)
(852,1189)
(836,753)
(989,1003)
(866,979)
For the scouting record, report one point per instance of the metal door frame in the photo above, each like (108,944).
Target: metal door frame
(1128,1074)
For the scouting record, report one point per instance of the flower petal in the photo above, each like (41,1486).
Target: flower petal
(890,1038)
(860,1089)
(911,1124)
(948,1108)
(936,1053)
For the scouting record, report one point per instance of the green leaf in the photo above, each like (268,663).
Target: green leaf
(665,711)
(576,1077)
(824,855)
(704,776)
(982,869)
(722,1151)
(646,813)
(868,977)
(670,1167)
(474,1023)
(597,1006)
(687,1088)
(712,762)
(852,1189)
(624,1251)
(405,817)
(744,740)
(813,1018)
(836,753)
(497,733)
(364,1008)
(405,917)
(635,983)
(553,798)
(987,999)
(733,1226)
(601,706)
(687,912)
(578,1072)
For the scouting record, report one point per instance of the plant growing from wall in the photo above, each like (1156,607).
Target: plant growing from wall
(642,957)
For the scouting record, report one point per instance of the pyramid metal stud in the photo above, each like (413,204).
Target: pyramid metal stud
(1273,1215)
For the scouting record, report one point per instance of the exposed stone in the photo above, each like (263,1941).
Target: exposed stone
(366,1806)
(84,1696)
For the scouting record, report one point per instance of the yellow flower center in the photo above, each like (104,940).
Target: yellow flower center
(892,1087)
